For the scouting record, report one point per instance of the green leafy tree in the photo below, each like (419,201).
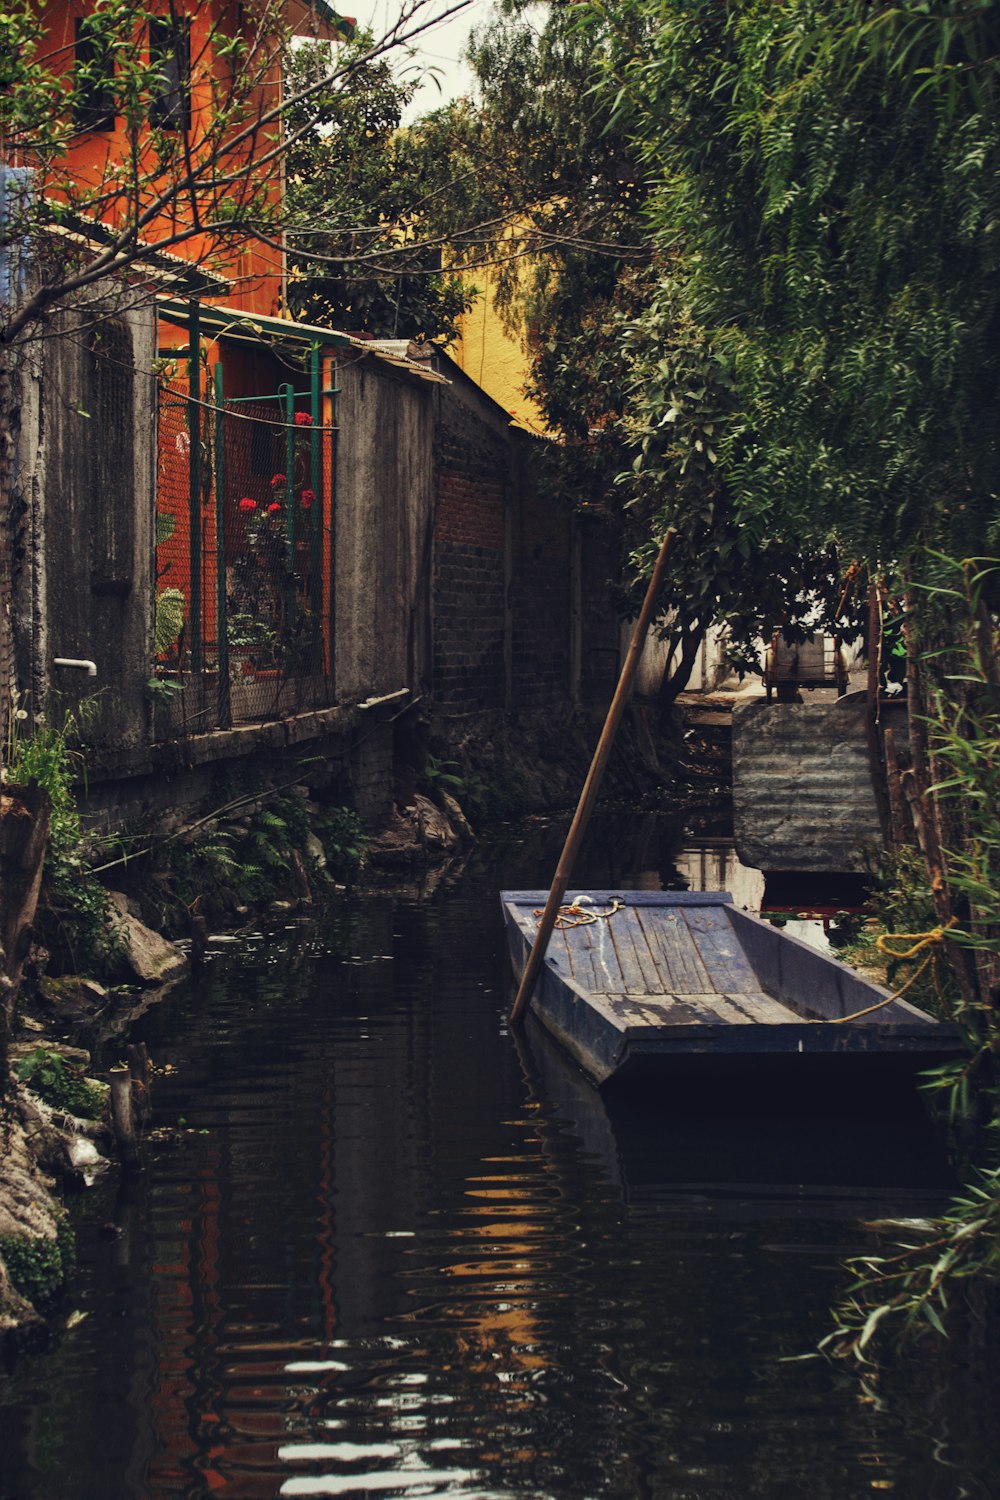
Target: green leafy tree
(826,180)
(748,577)
(559,206)
(365,258)
(826,202)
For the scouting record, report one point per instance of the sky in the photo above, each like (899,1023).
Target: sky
(439,47)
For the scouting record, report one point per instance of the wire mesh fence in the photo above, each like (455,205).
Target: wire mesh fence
(244,558)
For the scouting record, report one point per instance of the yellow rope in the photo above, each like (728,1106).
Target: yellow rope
(573,915)
(918,941)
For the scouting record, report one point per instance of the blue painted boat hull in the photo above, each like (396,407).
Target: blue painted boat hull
(684,984)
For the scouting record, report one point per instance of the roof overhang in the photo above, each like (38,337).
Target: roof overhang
(256,328)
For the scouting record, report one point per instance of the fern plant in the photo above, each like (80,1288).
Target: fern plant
(75,905)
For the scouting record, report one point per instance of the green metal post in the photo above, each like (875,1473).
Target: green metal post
(287,393)
(221,621)
(316,510)
(194,485)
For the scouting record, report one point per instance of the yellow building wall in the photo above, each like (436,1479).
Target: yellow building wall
(495,360)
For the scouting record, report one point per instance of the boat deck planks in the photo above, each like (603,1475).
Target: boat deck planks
(720,951)
(712,1008)
(592,959)
(636,962)
(673,951)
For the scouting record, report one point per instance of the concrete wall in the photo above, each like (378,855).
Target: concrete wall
(83,583)
(454,577)
(802,791)
(382,531)
(709,668)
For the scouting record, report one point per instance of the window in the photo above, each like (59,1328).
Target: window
(94,106)
(170,55)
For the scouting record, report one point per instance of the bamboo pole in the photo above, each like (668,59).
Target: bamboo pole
(591,786)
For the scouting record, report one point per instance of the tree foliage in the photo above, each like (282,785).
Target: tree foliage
(622,367)
(187,130)
(820,368)
(826,184)
(366,253)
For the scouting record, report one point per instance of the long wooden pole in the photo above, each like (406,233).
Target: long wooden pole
(591,786)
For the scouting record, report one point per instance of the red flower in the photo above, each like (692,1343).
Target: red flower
(308,496)
(273,507)
(278,480)
(303,419)
(247,504)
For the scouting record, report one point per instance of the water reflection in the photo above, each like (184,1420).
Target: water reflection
(401,1260)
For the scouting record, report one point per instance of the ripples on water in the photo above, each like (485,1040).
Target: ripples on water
(409,1257)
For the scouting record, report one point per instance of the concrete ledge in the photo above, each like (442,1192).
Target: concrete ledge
(227,744)
(802,793)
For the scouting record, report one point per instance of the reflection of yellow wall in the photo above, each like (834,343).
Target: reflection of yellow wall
(494,359)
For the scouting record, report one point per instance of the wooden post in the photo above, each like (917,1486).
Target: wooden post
(139,1072)
(591,786)
(899,820)
(123,1120)
(872,710)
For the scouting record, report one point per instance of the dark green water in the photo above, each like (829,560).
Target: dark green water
(411,1257)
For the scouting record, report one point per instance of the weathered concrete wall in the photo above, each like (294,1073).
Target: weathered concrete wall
(453,578)
(709,668)
(802,793)
(382,531)
(84,580)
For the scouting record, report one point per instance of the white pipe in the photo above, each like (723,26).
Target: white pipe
(386,698)
(81,665)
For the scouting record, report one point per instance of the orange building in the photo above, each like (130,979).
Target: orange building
(245,428)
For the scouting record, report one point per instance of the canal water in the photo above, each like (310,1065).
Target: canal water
(393,1250)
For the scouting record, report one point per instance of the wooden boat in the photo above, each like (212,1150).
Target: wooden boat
(684,984)
(712,1158)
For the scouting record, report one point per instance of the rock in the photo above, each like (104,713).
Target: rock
(148,957)
(77,1057)
(314,849)
(73,995)
(398,845)
(85,1160)
(456,816)
(436,831)
(27,1211)
(16,1312)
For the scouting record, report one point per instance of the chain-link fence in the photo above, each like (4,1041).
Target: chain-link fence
(244,558)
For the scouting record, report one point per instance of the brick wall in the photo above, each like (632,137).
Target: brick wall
(371,775)
(600,570)
(515,576)
(472,480)
(541,602)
